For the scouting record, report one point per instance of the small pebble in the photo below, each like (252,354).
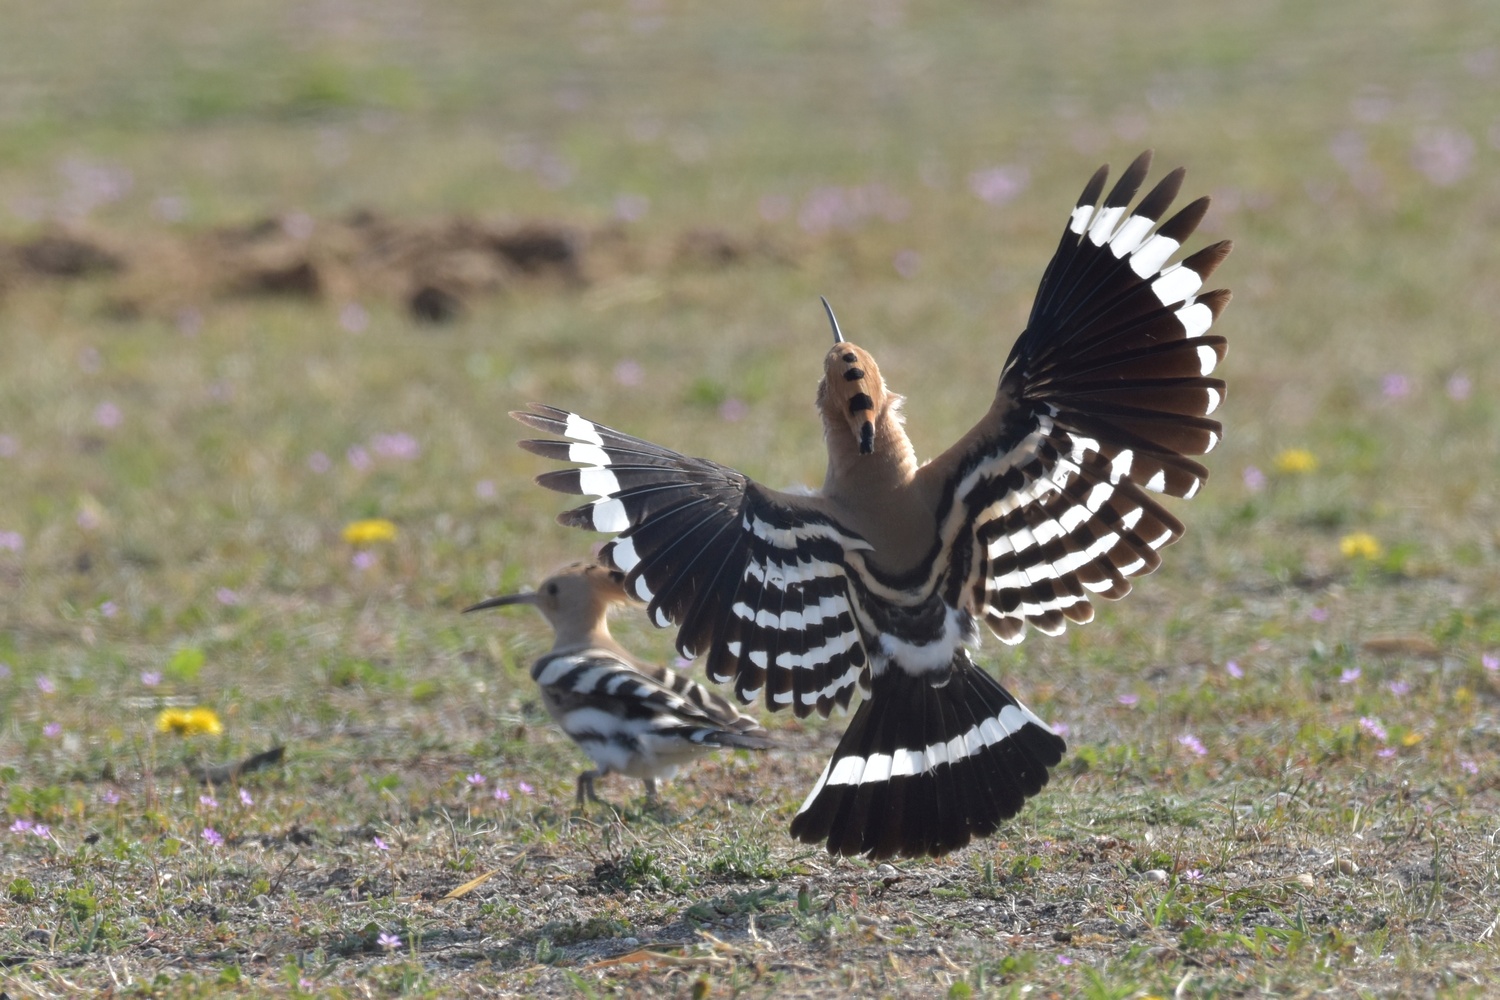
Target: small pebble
(1154,875)
(1346,866)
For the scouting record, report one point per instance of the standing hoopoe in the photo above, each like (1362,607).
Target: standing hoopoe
(630,718)
(878,578)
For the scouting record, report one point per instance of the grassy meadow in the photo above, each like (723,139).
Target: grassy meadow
(1283,776)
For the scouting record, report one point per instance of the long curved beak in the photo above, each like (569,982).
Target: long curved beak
(500,602)
(838,335)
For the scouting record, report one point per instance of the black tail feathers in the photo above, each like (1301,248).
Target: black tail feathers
(922,770)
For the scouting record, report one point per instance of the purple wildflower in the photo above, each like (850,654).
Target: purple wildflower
(109,609)
(1468,765)
(12,541)
(42,831)
(151,678)
(1128,699)
(353,317)
(1349,676)
(829,208)
(108,416)
(1192,875)
(226,597)
(1061,728)
(476,779)
(1233,669)
(501,795)
(733,410)
(214,837)
(525,788)
(1395,386)
(319,462)
(381,845)
(1193,743)
(88,185)
(629,373)
(485,489)
(389,942)
(1254,479)
(364,559)
(1318,614)
(1373,727)
(208,802)
(297,225)
(1399,688)
(1444,156)
(1490,662)
(632,207)
(998,185)
(1459,386)
(358,458)
(22,826)
(400,446)
(245,799)
(44,684)
(1064,960)
(1386,752)
(110,797)
(52,730)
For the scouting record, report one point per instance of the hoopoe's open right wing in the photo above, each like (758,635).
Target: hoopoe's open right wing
(1103,399)
(753,579)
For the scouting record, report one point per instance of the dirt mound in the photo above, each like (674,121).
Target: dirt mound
(436,268)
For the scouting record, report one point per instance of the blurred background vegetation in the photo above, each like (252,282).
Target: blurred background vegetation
(208,370)
(185,457)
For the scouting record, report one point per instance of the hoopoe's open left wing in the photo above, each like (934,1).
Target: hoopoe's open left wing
(1102,400)
(751,577)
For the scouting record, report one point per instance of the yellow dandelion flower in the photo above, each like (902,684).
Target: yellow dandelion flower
(370,531)
(1411,739)
(189,721)
(1296,461)
(1360,545)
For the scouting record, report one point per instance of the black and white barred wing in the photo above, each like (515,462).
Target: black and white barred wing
(751,577)
(1102,400)
(625,719)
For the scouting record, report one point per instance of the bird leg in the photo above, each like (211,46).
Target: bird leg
(586,787)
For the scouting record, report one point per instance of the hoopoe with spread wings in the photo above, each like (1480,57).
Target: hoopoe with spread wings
(877,580)
(630,717)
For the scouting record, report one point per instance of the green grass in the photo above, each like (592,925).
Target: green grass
(194,540)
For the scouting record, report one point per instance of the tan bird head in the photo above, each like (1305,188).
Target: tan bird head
(575,600)
(852,394)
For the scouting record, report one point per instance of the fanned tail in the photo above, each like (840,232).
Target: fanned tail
(922,770)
